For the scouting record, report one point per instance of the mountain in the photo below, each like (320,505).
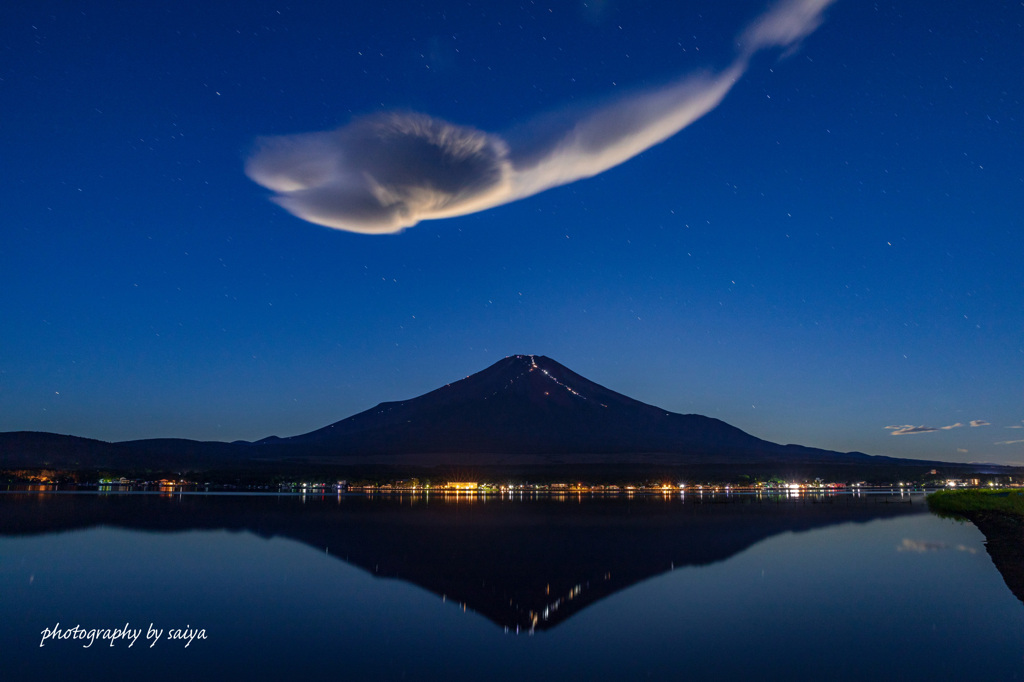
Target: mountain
(522,411)
(529,405)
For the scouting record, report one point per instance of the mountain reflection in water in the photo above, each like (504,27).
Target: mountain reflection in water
(524,564)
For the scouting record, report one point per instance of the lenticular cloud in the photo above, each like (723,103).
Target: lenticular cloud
(386,172)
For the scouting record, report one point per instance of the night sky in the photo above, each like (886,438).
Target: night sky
(833,249)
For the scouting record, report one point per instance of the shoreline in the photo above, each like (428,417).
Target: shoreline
(999,515)
(1004,541)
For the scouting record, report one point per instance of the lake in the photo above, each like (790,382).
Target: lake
(498,588)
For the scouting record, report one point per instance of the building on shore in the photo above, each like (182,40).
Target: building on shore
(462,485)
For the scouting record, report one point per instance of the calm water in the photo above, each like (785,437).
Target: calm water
(400,588)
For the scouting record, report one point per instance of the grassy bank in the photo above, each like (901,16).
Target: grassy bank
(962,504)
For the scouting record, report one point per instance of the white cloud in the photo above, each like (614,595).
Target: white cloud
(386,172)
(907,429)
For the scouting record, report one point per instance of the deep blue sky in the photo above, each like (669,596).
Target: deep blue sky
(834,249)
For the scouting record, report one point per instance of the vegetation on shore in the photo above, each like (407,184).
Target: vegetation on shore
(962,504)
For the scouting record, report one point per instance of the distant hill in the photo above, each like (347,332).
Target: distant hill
(522,411)
(34,449)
